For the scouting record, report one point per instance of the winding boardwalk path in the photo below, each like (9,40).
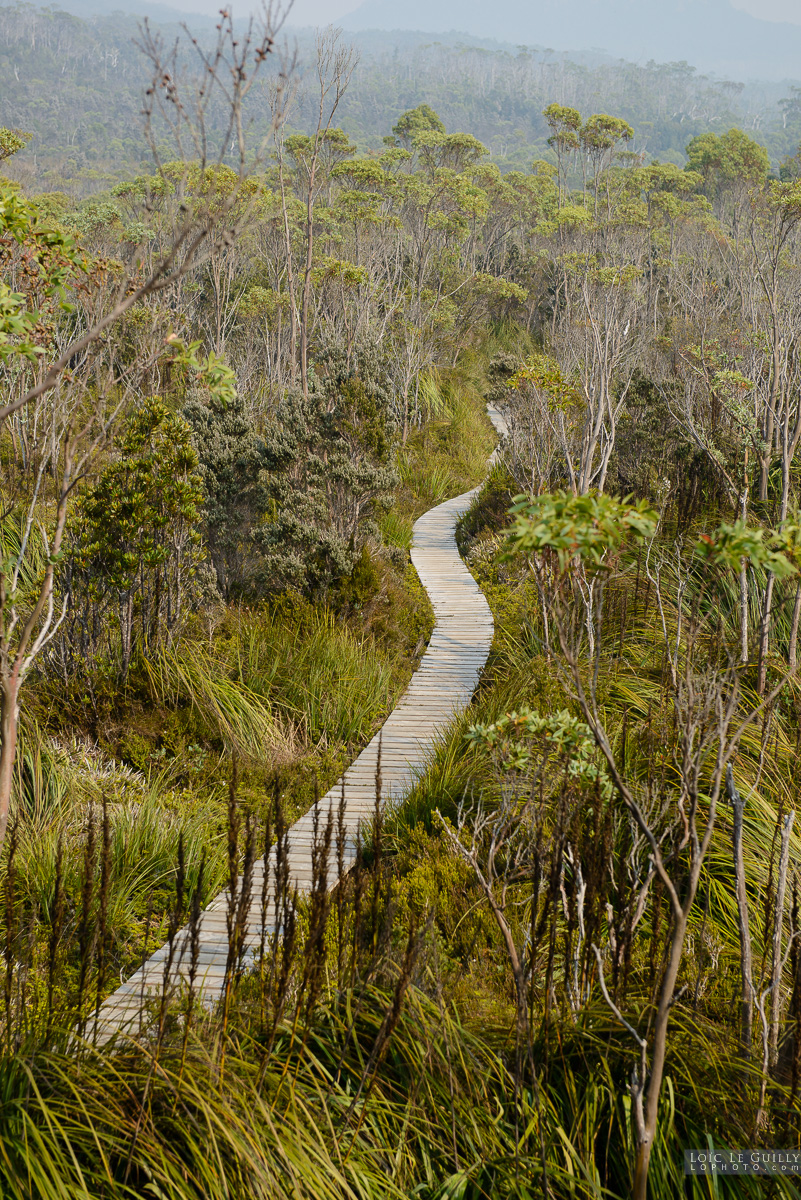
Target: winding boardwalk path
(441,688)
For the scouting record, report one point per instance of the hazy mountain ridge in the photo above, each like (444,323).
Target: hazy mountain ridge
(111,10)
(77,85)
(711,34)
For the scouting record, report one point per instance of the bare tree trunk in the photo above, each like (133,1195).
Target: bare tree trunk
(778,921)
(9,718)
(792,652)
(307,272)
(661,1023)
(743,613)
(746,977)
(335,64)
(290,278)
(764,635)
(744,570)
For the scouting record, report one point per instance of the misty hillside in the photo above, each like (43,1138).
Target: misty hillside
(77,85)
(123,9)
(710,34)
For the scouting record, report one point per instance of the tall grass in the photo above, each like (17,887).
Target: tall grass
(240,718)
(340,1067)
(279,687)
(315,673)
(396,529)
(431,483)
(448,454)
(70,788)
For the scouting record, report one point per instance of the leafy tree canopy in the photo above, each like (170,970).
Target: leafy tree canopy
(143,497)
(725,158)
(12,140)
(412,123)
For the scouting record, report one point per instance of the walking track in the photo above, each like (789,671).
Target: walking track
(441,688)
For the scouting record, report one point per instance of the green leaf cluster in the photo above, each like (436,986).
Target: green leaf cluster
(520,739)
(728,546)
(544,373)
(577,527)
(51,259)
(147,494)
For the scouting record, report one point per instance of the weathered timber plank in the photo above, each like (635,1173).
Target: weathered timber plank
(441,688)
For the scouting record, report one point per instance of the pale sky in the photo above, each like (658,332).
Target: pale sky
(772,10)
(323,12)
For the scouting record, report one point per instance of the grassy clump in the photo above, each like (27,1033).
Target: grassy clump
(357,1058)
(447,454)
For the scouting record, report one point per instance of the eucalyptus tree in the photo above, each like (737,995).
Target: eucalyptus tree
(334,68)
(735,372)
(771,297)
(599,139)
(59,316)
(565,124)
(597,330)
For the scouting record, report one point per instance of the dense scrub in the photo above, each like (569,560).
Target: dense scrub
(229,389)
(369,1052)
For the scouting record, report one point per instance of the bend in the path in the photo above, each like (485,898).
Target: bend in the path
(440,689)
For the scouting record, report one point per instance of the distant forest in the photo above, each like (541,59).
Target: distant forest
(77,86)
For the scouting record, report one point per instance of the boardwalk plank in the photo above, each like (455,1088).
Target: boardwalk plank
(440,689)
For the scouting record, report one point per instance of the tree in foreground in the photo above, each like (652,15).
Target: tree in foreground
(66,375)
(569,786)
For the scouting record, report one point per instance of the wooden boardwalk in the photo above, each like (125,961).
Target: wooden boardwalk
(442,687)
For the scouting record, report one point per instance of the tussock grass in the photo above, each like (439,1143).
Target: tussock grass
(60,790)
(430,483)
(442,1118)
(315,673)
(241,719)
(396,529)
(448,454)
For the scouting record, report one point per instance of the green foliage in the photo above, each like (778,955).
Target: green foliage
(418,120)
(358,588)
(723,159)
(432,881)
(578,527)
(229,462)
(517,739)
(448,151)
(210,373)
(565,123)
(60,788)
(330,683)
(466,272)
(396,529)
(544,373)
(145,503)
(729,545)
(448,454)
(12,141)
(24,559)
(138,547)
(26,319)
(602,132)
(329,477)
